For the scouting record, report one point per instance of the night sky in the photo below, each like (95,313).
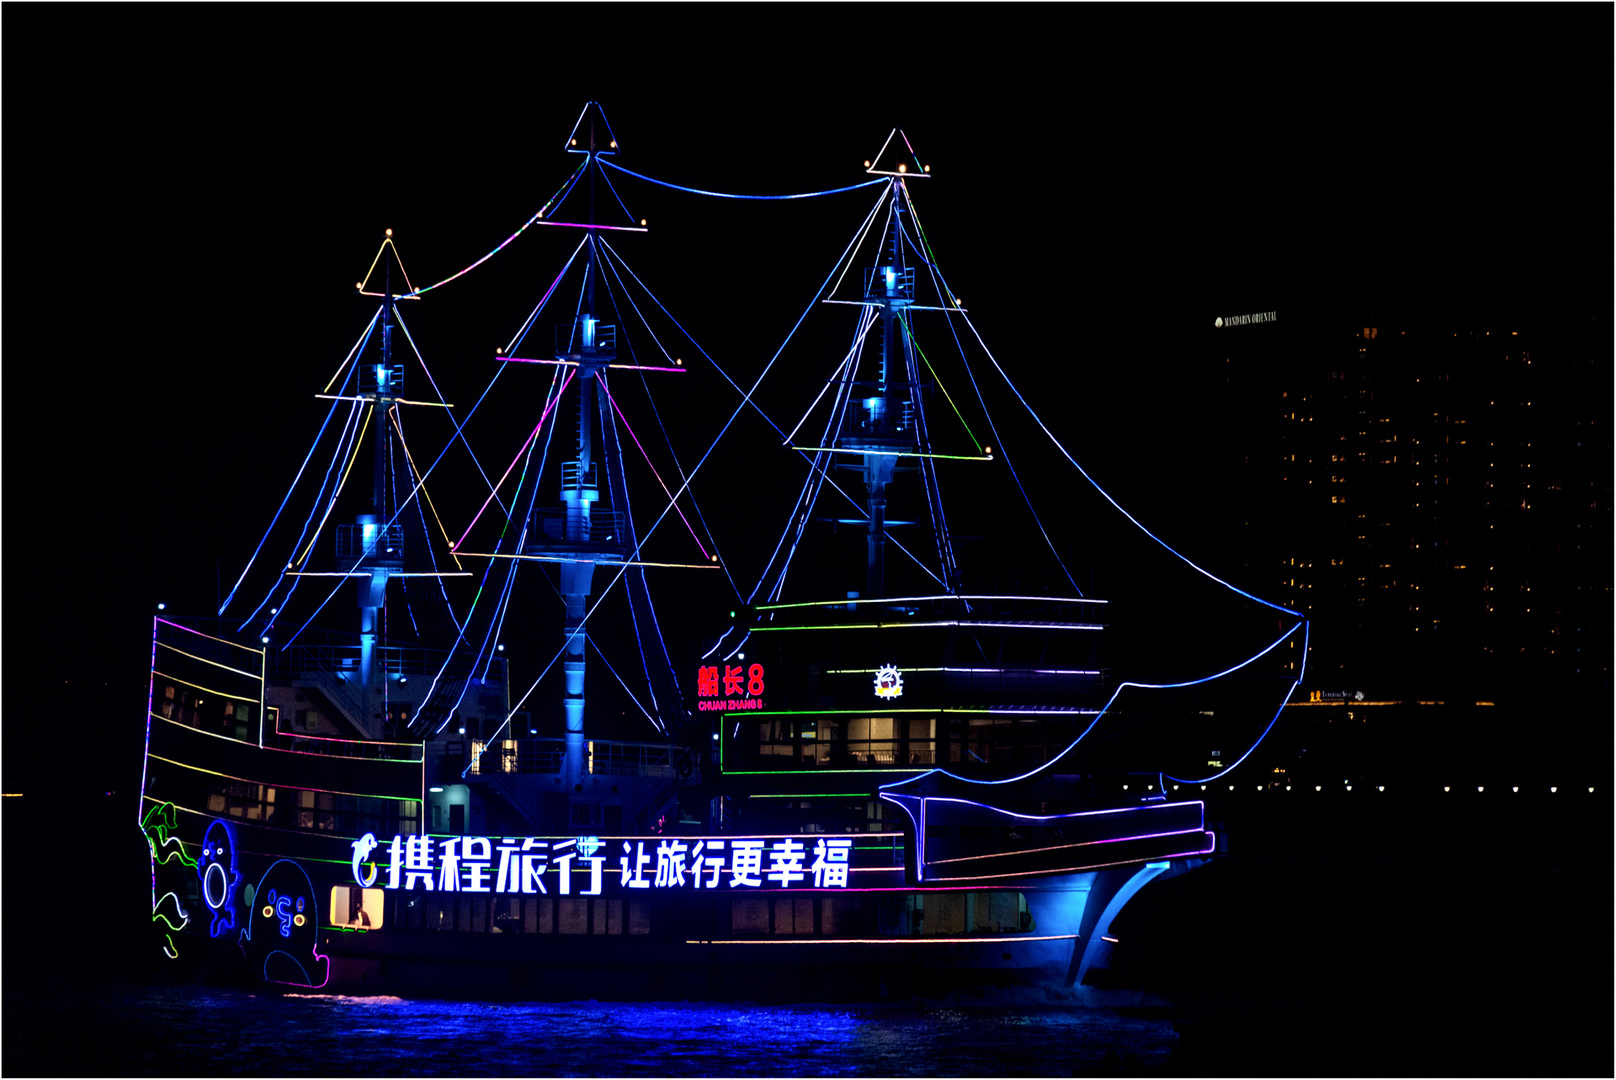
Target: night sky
(191,193)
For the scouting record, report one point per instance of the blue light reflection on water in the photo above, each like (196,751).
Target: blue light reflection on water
(190,1030)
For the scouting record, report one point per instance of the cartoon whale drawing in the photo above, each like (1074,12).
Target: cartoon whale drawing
(282,935)
(362,849)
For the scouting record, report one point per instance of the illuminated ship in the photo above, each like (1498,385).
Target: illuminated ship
(865,791)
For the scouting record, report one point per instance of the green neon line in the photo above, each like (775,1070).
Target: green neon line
(908,330)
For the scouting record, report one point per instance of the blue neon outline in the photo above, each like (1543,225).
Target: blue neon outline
(728,195)
(1120,688)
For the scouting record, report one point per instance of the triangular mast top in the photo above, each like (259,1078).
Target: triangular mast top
(387,244)
(592,110)
(896,158)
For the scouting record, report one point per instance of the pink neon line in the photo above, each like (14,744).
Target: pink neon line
(1004,939)
(272,783)
(1062,847)
(654,472)
(1211,840)
(574,363)
(519,452)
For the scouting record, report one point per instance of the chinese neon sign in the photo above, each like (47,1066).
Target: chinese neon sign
(572,867)
(735,687)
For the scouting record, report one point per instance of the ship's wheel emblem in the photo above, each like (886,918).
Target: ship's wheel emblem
(888,682)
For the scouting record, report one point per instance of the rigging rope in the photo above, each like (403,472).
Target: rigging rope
(728,195)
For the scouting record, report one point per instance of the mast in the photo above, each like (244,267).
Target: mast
(381,550)
(881,421)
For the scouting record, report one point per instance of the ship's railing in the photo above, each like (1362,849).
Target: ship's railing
(602,528)
(339,653)
(601,758)
(1031,612)
(386,545)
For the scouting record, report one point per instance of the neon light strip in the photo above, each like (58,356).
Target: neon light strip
(345,862)
(995,941)
(818,795)
(290,787)
(1060,847)
(367,573)
(386,243)
(574,363)
(492,491)
(671,500)
(309,753)
(420,481)
(1211,841)
(599,562)
(947,622)
(566,186)
(893,453)
(215,663)
(917,599)
(970,671)
(394,400)
(1150,686)
(905,307)
(596,228)
(210,637)
(817,772)
(350,742)
(726,195)
(199,686)
(358,444)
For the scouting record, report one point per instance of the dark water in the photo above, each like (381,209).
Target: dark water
(196,1031)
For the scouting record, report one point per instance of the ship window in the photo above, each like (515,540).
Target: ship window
(945,914)
(794,915)
(614,916)
(355,907)
(507,915)
(463,922)
(572,916)
(996,912)
(749,914)
(639,917)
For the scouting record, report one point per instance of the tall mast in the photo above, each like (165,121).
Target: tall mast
(380,548)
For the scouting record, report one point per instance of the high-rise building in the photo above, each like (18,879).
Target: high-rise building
(1437,499)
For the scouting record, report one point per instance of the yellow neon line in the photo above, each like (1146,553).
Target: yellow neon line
(359,442)
(599,562)
(373,263)
(210,637)
(420,482)
(292,787)
(1004,940)
(209,689)
(215,663)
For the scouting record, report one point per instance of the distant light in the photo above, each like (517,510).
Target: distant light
(715,736)
(642,222)
(389,232)
(264,640)
(462,731)
(1590,791)
(160,607)
(1552,790)
(614,144)
(926,168)
(502,646)
(1481,789)
(1515,789)
(1124,787)
(866,164)
(1287,787)
(274,611)
(402,679)
(903,168)
(436,790)
(1445,787)
(1380,787)
(740,656)
(1349,787)
(1318,787)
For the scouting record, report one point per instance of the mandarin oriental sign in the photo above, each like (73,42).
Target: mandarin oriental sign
(1246,320)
